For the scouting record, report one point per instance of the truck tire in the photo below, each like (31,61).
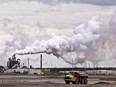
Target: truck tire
(76,82)
(67,82)
(82,80)
(85,81)
(73,82)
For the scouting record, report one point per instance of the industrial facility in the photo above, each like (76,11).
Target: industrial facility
(13,62)
(13,65)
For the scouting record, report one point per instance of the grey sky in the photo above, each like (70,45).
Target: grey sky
(55,2)
(38,19)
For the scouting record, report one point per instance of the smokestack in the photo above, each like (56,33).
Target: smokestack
(41,61)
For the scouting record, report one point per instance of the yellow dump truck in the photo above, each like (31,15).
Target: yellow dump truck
(76,77)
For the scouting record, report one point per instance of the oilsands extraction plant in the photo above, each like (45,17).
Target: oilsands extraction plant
(13,62)
(13,65)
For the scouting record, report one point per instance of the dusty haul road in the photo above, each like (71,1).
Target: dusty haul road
(42,81)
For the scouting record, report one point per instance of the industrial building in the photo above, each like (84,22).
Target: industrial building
(13,62)
(13,65)
(2,69)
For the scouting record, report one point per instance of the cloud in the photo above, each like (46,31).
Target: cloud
(40,18)
(93,2)
(100,2)
(57,2)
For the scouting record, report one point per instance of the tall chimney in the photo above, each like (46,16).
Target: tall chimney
(41,61)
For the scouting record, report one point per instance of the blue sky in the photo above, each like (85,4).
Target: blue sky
(23,21)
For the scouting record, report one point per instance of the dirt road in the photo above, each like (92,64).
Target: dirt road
(42,81)
(50,84)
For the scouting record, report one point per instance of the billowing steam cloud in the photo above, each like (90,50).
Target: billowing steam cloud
(112,35)
(83,42)
(19,40)
(19,37)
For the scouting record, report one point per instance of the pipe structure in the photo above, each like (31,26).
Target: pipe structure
(41,61)
(28,65)
(29,53)
(28,58)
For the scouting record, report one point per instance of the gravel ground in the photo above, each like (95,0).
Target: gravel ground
(39,81)
(49,84)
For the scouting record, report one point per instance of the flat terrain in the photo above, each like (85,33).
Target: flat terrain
(48,81)
(50,84)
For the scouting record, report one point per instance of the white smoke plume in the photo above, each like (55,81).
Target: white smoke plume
(19,39)
(82,42)
(15,31)
(111,40)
